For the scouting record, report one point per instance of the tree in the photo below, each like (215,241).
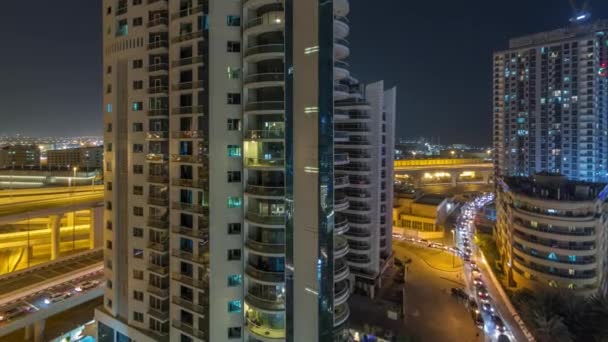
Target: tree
(551,328)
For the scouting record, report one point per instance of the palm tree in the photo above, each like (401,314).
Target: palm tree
(594,323)
(551,328)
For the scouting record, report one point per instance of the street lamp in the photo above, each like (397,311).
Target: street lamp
(452,153)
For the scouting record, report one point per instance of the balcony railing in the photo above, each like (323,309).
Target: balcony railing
(182,278)
(188,134)
(158,291)
(199,234)
(268,48)
(187,36)
(154,135)
(190,183)
(341,180)
(274,277)
(161,315)
(265,77)
(158,201)
(158,112)
(269,248)
(157,222)
(158,21)
(158,89)
(188,110)
(189,11)
(264,162)
(158,179)
(265,219)
(265,134)
(188,304)
(194,208)
(188,85)
(201,259)
(159,246)
(157,157)
(188,61)
(261,190)
(265,105)
(189,329)
(268,19)
(158,67)
(160,269)
(158,44)
(264,301)
(191,159)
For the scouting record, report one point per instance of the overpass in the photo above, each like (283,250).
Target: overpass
(28,291)
(457,169)
(50,240)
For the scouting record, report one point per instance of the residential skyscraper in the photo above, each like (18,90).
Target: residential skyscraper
(240,153)
(550,104)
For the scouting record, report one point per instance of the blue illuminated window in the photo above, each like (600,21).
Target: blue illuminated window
(123,28)
(109,108)
(235,280)
(572,258)
(234,202)
(552,256)
(234,306)
(521,120)
(137,106)
(234,151)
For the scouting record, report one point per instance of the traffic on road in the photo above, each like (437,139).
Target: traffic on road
(48,297)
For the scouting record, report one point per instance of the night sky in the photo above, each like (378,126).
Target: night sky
(438,53)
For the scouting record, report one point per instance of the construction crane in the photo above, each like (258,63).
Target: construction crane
(581,13)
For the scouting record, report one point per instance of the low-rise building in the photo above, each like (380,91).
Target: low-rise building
(19,156)
(552,233)
(422,216)
(90,157)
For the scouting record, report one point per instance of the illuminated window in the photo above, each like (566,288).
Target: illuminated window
(572,258)
(233,73)
(234,151)
(235,280)
(552,256)
(234,202)
(123,28)
(138,106)
(109,108)
(234,306)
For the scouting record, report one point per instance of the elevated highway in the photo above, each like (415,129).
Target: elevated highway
(456,169)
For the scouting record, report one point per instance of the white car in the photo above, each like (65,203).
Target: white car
(57,297)
(14,312)
(86,285)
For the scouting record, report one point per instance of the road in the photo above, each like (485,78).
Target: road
(14,202)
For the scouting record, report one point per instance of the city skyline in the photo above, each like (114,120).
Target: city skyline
(67,84)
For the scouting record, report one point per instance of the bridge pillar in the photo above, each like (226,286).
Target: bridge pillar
(35,332)
(70,219)
(486,177)
(96,227)
(454,178)
(54,225)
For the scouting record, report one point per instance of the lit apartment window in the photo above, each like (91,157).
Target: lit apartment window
(234,20)
(123,28)
(234,306)
(137,106)
(109,108)
(233,73)
(235,280)
(234,151)
(234,202)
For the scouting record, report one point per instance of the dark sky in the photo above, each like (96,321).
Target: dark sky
(438,53)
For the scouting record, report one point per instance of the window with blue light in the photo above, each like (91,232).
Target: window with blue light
(234,202)
(235,280)
(552,256)
(234,306)
(123,28)
(138,106)
(233,20)
(234,151)
(572,258)
(521,120)
(109,108)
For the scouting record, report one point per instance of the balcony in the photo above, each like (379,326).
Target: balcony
(163,179)
(265,331)
(188,110)
(158,67)
(188,304)
(274,49)
(264,248)
(273,162)
(189,329)
(158,112)
(265,219)
(188,134)
(265,134)
(265,106)
(161,315)
(121,10)
(341,181)
(188,159)
(188,85)
(269,21)
(190,183)
(341,314)
(265,276)
(183,37)
(340,225)
(341,292)
(189,11)
(164,21)
(158,44)
(158,291)
(358,233)
(340,202)
(341,270)
(340,247)
(265,191)
(158,222)
(198,234)
(190,207)
(264,301)
(162,89)
(182,278)
(188,61)
(157,157)
(200,259)
(341,159)
(159,246)
(578,250)
(158,269)
(157,135)
(271,79)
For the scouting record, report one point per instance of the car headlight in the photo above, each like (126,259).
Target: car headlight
(47,301)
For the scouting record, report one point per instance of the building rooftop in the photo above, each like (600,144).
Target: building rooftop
(431,199)
(565,33)
(554,187)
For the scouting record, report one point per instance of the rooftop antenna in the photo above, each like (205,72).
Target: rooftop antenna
(581,14)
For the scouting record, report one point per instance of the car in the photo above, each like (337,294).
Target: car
(498,324)
(436,245)
(482,293)
(57,297)
(476,273)
(487,307)
(466,257)
(479,321)
(473,306)
(86,285)
(458,292)
(477,281)
(424,242)
(13,312)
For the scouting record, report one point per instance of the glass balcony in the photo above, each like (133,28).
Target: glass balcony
(340,247)
(271,18)
(158,67)
(157,135)
(265,105)
(200,259)
(341,180)
(341,270)
(198,233)
(158,112)
(188,85)
(265,219)
(266,297)
(191,183)
(159,246)
(188,61)
(265,77)
(162,179)
(162,201)
(200,284)
(341,314)
(191,207)
(188,134)
(265,134)
(269,191)
(264,324)
(158,222)
(341,292)
(158,291)
(189,158)
(186,110)
(267,48)
(158,44)
(188,329)
(158,269)
(164,21)
(161,315)
(341,158)
(265,162)
(189,11)
(265,247)
(157,157)
(162,89)
(189,304)
(266,276)
(340,224)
